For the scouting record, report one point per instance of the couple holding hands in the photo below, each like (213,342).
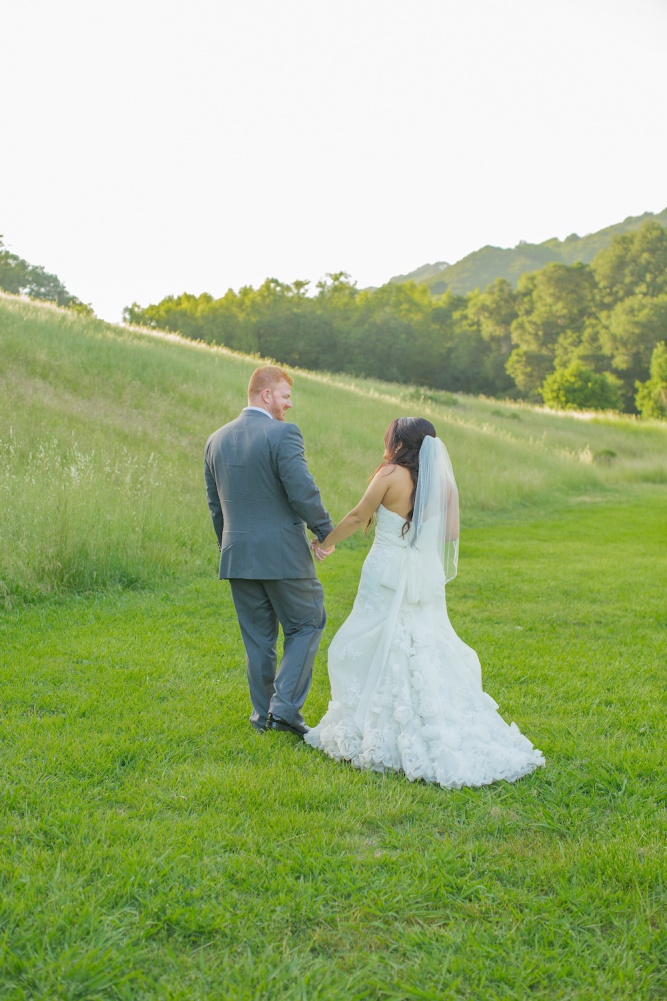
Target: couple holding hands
(406,692)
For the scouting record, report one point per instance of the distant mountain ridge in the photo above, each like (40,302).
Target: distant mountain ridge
(483,266)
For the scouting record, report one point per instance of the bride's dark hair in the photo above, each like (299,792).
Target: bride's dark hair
(402,442)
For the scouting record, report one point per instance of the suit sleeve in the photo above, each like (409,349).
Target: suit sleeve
(212,497)
(299,484)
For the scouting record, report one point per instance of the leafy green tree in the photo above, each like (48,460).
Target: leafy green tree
(493,312)
(181,314)
(651,399)
(337,289)
(470,366)
(635,264)
(551,301)
(224,321)
(449,331)
(584,346)
(387,332)
(579,388)
(529,369)
(22,278)
(629,335)
(555,301)
(300,287)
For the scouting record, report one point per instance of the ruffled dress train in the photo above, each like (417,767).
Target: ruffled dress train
(406,692)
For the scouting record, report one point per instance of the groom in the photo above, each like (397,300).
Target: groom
(260,493)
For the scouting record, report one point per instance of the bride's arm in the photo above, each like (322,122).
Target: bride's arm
(360,514)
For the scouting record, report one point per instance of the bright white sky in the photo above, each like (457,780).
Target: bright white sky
(153,147)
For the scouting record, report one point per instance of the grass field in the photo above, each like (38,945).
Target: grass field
(156,847)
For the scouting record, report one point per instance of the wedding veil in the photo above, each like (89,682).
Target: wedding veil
(435,519)
(431,556)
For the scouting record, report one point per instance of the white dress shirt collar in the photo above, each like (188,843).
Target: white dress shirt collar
(261,411)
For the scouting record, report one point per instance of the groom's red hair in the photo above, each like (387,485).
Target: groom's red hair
(267,377)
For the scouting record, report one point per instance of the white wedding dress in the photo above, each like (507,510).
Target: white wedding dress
(406,692)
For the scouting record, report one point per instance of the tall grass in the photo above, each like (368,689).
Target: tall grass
(75,520)
(102,431)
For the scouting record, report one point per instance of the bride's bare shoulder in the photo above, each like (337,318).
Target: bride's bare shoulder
(398,483)
(392,478)
(399,473)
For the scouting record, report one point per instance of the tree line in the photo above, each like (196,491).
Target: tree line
(573,336)
(582,335)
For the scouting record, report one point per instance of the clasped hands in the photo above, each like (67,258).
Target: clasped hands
(318,552)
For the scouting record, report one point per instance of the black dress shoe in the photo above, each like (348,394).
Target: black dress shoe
(276,723)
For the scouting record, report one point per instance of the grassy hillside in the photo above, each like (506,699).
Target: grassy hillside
(102,433)
(479,269)
(157,848)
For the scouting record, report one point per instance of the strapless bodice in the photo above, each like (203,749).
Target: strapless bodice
(389,528)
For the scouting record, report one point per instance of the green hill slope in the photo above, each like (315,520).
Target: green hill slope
(479,269)
(103,430)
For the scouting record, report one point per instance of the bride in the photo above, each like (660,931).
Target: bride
(406,692)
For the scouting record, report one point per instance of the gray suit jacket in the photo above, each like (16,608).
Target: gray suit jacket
(261,496)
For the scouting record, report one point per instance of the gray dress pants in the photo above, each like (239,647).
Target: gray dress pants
(298,605)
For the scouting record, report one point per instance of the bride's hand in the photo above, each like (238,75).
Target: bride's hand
(319,552)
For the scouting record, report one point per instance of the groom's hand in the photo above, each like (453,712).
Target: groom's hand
(318,552)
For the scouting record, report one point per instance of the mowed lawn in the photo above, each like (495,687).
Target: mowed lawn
(155,847)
